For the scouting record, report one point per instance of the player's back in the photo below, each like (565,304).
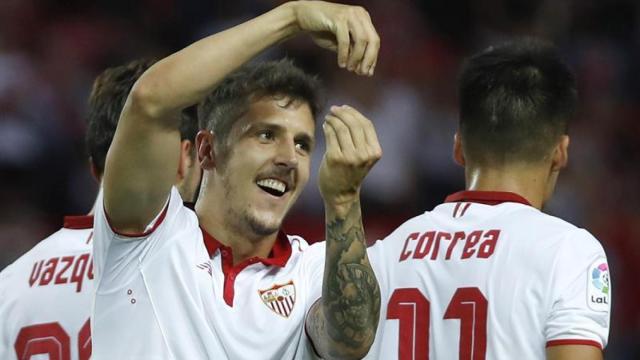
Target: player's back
(486,276)
(45,297)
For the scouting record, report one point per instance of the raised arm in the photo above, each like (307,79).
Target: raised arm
(342,325)
(143,158)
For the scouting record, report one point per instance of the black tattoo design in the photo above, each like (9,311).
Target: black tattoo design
(348,316)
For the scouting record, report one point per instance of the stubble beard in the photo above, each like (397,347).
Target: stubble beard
(246,221)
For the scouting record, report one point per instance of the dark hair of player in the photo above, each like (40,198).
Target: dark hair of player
(232,97)
(515,102)
(108,96)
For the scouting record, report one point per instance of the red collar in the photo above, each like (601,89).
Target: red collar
(78,222)
(487,197)
(279,255)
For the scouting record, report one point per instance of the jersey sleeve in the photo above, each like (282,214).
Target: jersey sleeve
(118,256)
(313,259)
(581,294)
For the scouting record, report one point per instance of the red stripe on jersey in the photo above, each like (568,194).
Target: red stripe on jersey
(78,222)
(464,210)
(455,210)
(551,343)
(279,255)
(487,197)
(143,234)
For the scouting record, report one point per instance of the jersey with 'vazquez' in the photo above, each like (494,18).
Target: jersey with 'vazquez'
(487,276)
(45,297)
(174,293)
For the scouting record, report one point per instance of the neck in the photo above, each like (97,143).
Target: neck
(243,242)
(528,181)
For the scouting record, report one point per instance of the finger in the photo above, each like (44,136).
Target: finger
(342,38)
(342,134)
(371,136)
(373,67)
(370,146)
(373,47)
(349,116)
(358,43)
(331,139)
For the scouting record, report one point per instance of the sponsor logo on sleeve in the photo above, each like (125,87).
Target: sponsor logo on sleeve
(599,294)
(280,298)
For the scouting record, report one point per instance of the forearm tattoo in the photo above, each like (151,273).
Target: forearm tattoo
(350,293)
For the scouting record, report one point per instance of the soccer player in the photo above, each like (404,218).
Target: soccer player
(225,281)
(46,295)
(487,274)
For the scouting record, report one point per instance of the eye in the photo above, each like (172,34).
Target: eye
(265,135)
(303,145)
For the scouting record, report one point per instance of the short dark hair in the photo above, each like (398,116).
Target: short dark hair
(515,102)
(108,96)
(232,97)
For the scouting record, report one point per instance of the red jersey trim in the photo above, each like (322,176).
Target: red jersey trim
(155,225)
(78,222)
(551,343)
(487,197)
(280,254)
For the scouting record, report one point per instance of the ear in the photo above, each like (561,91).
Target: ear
(458,154)
(94,170)
(560,156)
(205,148)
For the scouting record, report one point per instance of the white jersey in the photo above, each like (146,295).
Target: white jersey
(487,276)
(174,293)
(45,297)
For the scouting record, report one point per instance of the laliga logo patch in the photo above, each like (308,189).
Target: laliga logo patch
(599,286)
(280,298)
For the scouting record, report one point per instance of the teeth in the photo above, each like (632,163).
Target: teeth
(273,184)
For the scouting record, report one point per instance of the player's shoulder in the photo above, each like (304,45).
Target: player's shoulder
(552,232)
(63,241)
(552,226)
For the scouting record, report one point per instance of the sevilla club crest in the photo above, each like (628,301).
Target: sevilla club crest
(280,298)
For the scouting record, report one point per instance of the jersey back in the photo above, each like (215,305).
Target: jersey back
(45,297)
(488,277)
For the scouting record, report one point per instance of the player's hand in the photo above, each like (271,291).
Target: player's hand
(344,29)
(352,150)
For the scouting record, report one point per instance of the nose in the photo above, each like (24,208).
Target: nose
(286,154)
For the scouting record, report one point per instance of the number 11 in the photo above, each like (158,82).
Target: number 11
(411,308)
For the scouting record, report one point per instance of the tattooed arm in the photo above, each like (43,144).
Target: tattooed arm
(342,324)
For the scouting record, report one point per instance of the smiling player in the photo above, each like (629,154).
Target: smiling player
(225,281)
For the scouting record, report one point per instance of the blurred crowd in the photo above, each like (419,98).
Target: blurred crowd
(51,50)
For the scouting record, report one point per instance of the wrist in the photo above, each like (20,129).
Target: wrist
(341,205)
(290,12)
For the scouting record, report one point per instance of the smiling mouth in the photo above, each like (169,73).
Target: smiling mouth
(273,186)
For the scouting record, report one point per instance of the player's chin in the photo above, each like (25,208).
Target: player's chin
(266,223)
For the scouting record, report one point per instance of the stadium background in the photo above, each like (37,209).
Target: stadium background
(50,50)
